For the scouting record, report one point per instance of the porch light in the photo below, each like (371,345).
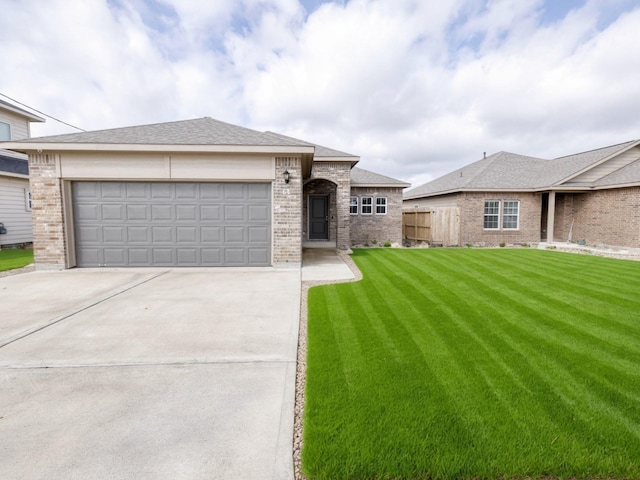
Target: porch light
(286,176)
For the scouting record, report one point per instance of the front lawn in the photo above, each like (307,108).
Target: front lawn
(467,363)
(15,258)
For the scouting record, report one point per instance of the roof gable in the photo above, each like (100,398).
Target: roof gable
(19,111)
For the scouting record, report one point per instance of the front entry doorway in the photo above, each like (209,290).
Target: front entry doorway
(319,217)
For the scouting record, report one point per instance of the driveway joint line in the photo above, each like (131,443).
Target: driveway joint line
(87,307)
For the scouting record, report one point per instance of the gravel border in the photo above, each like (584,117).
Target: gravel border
(17,271)
(301,361)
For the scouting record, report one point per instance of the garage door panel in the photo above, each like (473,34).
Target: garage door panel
(234,213)
(112,190)
(186,191)
(139,257)
(186,213)
(234,234)
(186,234)
(137,190)
(211,234)
(258,213)
(139,234)
(162,213)
(258,235)
(139,213)
(163,256)
(235,256)
(115,256)
(172,224)
(258,191)
(162,234)
(113,234)
(258,255)
(89,234)
(210,213)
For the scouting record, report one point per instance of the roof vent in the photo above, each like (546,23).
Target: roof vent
(485,154)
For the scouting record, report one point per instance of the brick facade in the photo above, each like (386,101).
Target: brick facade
(321,187)
(339,173)
(46,208)
(609,217)
(381,228)
(287,205)
(472,219)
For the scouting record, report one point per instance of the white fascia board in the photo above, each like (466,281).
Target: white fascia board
(127,147)
(31,116)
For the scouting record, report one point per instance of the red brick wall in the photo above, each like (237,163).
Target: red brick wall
(610,217)
(382,228)
(472,219)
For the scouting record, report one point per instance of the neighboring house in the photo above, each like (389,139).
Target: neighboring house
(15,201)
(198,193)
(592,196)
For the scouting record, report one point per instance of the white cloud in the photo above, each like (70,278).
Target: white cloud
(415,88)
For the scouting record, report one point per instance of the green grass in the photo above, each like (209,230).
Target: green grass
(15,258)
(466,363)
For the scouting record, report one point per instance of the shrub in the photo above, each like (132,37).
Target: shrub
(502,244)
(387,243)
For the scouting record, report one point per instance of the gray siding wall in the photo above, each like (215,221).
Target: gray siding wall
(19,124)
(13,211)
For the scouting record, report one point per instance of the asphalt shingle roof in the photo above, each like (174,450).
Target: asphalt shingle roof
(199,131)
(320,151)
(510,171)
(362,177)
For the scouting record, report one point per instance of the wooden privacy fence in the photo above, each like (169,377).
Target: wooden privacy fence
(416,226)
(437,226)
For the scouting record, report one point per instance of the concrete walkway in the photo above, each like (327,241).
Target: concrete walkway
(148,374)
(324,264)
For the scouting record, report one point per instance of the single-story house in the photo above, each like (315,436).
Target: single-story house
(199,193)
(507,198)
(15,196)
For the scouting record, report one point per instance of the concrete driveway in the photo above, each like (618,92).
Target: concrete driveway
(148,374)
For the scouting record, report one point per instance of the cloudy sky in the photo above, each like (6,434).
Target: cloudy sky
(417,88)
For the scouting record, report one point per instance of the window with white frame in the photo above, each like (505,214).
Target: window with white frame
(366,205)
(491,214)
(5,131)
(510,214)
(353,206)
(27,200)
(381,205)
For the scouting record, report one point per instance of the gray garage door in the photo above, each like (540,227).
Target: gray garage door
(136,224)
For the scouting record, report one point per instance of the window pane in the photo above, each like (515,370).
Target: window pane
(367,205)
(5,132)
(353,206)
(491,213)
(381,205)
(510,214)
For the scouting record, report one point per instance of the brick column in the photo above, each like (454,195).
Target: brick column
(46,209)
(287,213)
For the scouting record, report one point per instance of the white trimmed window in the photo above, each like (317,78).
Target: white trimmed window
(5,131)
(381,205)
(492,214)
(510,214)
(27,200)
(353,205)
(366,206)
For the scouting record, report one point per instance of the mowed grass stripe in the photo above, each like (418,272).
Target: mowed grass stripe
(452,378)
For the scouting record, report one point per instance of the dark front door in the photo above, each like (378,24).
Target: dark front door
(318,218)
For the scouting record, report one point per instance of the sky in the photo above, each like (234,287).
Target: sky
(416,88)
